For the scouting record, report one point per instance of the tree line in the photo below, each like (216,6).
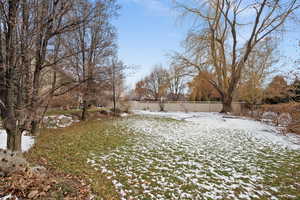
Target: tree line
(160,84)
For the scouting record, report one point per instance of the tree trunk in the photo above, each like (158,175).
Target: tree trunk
(14,139)
(114,88)
(34,127)
(226,102)
(161,105)
(84,109)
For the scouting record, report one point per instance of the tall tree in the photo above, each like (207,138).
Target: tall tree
(51,20)
(227,26)
(95,42)
(28,32)
(10,73)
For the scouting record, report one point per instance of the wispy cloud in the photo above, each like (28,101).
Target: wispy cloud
(154,7)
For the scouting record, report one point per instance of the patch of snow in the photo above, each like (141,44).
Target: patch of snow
(199,156)
(58,121)
(8,197)
(256,129)
(124,114)
(27,141)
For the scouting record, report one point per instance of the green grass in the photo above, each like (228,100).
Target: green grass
(67,150)
(278,169)
(149,157)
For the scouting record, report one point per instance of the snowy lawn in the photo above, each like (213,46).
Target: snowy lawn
(201,156)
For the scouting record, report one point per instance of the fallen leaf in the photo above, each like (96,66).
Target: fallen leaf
(32,194)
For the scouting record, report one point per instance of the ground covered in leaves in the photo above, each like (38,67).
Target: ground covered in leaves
(49,185)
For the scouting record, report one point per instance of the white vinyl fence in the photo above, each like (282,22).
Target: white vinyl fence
(184,106)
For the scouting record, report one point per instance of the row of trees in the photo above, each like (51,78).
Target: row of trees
(47,49)
(231,45)
(252,89)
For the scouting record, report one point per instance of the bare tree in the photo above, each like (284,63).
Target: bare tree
(227,26)
(177,82)
(258,67)
(156,83)
(115,79)
(9,73)
(95,41)
(162,83)
(51,19)
(28,33)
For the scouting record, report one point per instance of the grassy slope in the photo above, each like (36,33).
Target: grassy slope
(67,150)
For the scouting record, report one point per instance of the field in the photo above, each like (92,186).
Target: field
(178,156)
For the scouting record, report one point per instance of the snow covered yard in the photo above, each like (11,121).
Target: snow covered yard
(202,156)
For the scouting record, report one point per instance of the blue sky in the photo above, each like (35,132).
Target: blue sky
(147,31)
(150,29)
